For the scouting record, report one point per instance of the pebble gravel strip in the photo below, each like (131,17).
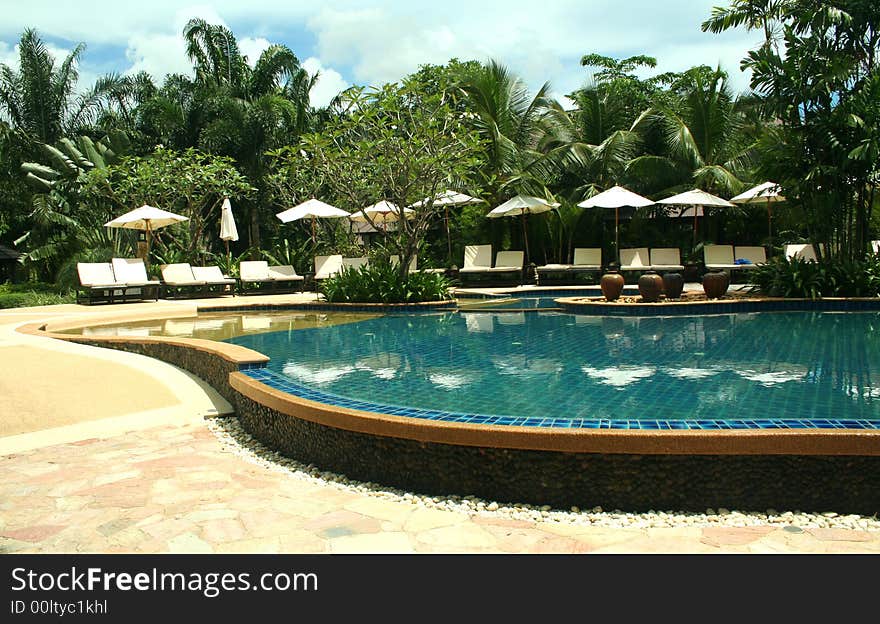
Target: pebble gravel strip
(236,440)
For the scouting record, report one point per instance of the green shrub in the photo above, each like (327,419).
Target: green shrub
(830,277)
(32,294)
(380,282)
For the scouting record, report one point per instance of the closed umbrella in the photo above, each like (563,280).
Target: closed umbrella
(693,202)
(311,209)
(148,218)
(228,231)
(522,205)
(446,199)
(768,193)
(616,197)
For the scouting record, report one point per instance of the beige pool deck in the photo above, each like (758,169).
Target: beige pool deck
(106,452)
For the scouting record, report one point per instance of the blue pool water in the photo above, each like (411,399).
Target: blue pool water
(799,369)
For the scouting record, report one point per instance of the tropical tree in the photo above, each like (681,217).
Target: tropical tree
(39,100)
(519,131)
(190,183)
(704,142)
(817,74)
(396,144)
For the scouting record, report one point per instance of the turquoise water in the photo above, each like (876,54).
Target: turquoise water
(738,367)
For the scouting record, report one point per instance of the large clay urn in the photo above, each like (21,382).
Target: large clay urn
(612,285)
(673,284)
(715,283)
(650,286)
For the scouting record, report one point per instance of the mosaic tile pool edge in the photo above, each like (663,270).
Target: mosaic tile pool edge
(258,372)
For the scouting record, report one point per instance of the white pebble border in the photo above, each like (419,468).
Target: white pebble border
(235,439)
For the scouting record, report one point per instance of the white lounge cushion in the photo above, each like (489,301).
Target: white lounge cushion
(477,258)
(254,271)
(719,256)
(180,274)
(802,251)
(355,263)
(666,259)
(131,271)
(284,273)
(96,274)
(757,255)
(211,274)
(588,257)
(327,266)
(507,260)
(635,259)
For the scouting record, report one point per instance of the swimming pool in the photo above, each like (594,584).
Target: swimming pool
(735,371)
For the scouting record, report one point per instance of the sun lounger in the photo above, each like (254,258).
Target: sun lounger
(414,265)
(635,259)
(506,261)
(666,259)
(178,281)
(99,282)
(256,276)
(327,266)
(253,276)
(215,281)
(285,279)
(754,255)
(719,257)
(587,261)
(355,263)
(801,251)
(133,273)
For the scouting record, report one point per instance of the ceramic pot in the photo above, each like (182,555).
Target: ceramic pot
(612,285)
(673,284)
(715,283)
(650,286)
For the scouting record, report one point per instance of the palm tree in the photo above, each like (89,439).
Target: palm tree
(517,127)
(704,139)
(39,100)
(241,111)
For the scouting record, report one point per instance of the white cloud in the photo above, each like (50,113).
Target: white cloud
(330,82)
(157,55)
(383,40)
(252,48)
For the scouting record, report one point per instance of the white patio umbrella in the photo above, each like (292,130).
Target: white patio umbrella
(382,212)
(616,197)
(446,199)
(228,231)
(522,205)
(696,200)
(768,193)
(311,209)
(146,218)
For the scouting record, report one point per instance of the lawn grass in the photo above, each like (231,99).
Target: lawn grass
(33,294)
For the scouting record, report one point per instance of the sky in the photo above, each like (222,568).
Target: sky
(370,42)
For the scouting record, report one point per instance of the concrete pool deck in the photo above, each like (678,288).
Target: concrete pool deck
(138,470)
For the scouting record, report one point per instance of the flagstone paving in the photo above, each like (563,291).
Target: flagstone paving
(176,487)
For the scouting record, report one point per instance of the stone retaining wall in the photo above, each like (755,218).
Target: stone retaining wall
(845,484)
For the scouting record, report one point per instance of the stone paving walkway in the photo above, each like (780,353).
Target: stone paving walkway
(173,487)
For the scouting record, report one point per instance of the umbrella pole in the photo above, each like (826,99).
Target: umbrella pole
(525,236)
(448,236)
(769,225)
(148,237)
(228,257)
(616,234)
(695,228)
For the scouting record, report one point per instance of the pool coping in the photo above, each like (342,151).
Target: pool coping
(807,441)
